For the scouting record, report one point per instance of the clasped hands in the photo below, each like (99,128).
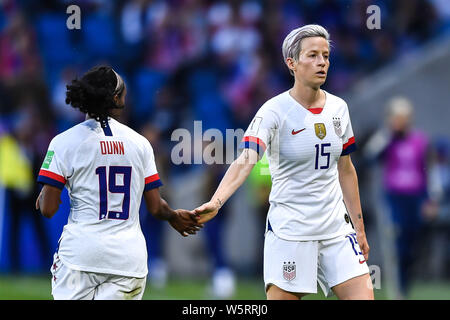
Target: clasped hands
(189,222)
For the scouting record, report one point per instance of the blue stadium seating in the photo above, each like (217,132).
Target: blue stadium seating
(147,82)
(55,43)
(99,37)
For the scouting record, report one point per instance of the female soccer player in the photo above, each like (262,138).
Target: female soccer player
(314,200)
(106,167)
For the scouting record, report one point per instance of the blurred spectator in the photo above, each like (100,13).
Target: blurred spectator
(404,153)
(19,162)
(19,60)
(132,28)
(440,180)
(67,117)
(437,211)
(443,10)
(153,229)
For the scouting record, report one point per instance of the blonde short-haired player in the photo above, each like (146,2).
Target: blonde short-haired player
(107,168)
(315,231)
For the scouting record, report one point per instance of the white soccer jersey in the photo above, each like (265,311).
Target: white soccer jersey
(303,148)
(105,171)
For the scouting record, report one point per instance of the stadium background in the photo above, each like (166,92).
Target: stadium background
(215,62)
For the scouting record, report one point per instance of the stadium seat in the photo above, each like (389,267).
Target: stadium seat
(212,110)
(202,80)
(55,41)
(147,82)
(99,37)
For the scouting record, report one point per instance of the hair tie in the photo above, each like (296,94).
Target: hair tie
(119,85)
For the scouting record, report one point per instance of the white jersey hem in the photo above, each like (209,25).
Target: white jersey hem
(105,271)
(342,232)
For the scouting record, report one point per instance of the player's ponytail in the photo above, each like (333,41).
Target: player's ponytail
(94,93)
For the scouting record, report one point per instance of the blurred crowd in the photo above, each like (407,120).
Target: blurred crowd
(182,60)
(415,190)
(182,57)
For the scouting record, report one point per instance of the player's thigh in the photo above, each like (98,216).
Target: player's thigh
(357,288)
(69,284)
(342,265)
(290,266)
(275,293)
(121,288)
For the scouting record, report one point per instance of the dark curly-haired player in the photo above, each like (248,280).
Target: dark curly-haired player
(106,168)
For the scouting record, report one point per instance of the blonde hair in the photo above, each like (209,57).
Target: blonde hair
(292,44)
(399,106)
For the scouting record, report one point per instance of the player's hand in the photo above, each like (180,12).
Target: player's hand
(185,222)
(363,244)
(207,211)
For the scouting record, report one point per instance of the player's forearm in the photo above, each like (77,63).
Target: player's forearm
(48,201)
(48,210)
(348,180)
(235,176)
(164,212)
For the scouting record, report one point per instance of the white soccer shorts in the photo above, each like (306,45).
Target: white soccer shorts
(297,266)
(69,284)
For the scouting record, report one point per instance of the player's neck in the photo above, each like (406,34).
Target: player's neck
(112,116)
(307,96)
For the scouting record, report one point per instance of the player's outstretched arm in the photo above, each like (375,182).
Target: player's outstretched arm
(48,200)
(348,180)
(235,176)
(184,221)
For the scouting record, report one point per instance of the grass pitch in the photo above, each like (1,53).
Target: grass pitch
(29,287)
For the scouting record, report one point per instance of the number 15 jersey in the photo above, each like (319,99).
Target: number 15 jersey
(105,171)
(303,147)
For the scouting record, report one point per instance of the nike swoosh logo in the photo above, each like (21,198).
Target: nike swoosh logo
(295,132)
(361,262)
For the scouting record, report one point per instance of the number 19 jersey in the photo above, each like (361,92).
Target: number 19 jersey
(105,171)
(303,147)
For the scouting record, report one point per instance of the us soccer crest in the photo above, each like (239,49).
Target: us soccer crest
(289,272)
(337,126)
(320,129)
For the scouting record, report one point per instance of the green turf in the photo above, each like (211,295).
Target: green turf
(39,287)
(199,289)
(25,288)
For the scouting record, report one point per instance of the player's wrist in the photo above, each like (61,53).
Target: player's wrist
(360,231)
(170,215)
(217,203)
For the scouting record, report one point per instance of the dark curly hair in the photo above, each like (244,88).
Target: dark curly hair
(94,93)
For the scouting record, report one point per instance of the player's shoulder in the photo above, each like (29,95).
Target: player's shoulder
(275,105)
(335,101)
(130,134)
(71,137)
(338,105)
(277,101)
